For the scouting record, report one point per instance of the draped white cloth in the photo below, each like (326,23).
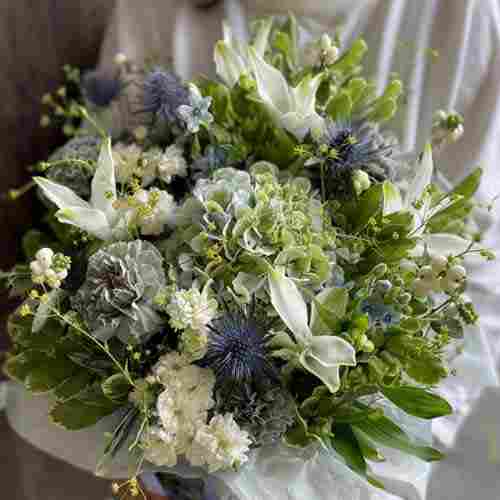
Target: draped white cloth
(465,76)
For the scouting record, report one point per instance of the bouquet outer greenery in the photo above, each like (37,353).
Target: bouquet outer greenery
(255,265)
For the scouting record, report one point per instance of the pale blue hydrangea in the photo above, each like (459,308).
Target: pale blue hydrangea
(380,314)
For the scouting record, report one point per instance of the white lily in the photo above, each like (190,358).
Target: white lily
(231,55)
(99,217)
(322,355)
(435,243)
(293,108)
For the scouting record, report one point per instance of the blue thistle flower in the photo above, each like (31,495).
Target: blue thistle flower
(163,94)
(355,146)
(238,354)
(100,89)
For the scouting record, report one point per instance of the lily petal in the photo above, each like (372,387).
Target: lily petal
(87,219)
(60,195)
(328,375)
(271,84)
(289,304)
(104,182)
(304,94)
(262,36)
(330,350)
(422,177)
(228,63)
(392,198)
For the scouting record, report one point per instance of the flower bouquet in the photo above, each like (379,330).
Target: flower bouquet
(251,285)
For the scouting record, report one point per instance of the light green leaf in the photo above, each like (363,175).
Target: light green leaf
(385,432)
(418,402)
(333,301)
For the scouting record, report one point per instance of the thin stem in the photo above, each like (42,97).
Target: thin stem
(99,344)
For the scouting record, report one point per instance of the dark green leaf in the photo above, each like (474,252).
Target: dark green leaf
(40,371)
(73,385)
(346,445)
(418,402)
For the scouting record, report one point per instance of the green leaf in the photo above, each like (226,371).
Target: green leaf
(385,432)
(39,371)
(340,107)
(418,402)
(367,449)
(460,208)
(116,387)
(329,306)
(74,385)
(346,445)
(83,410)
(352,57)
(369,205)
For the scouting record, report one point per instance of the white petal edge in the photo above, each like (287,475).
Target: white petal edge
(104,182)
(328,375)
(60,195)
(331,351)
(87,219)
(271,84)
(289,304)
(422,177)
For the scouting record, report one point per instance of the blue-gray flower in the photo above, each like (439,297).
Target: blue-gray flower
(196,112)
(380,314)
(117,297)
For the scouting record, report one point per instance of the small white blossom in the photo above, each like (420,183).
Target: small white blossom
(321,52)
(49,268)
(191,309)
(437,277)
(172,163)
(152,210)
(447,128)
(126,158)
(220,445)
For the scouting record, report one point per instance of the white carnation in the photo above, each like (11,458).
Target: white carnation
(182,408)
(220,445)
(159,447)
(191,309)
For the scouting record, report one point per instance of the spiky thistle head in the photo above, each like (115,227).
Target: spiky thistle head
(351,147)
(238,352)
(163,93)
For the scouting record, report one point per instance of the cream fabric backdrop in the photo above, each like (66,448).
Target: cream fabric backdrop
(465,77)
